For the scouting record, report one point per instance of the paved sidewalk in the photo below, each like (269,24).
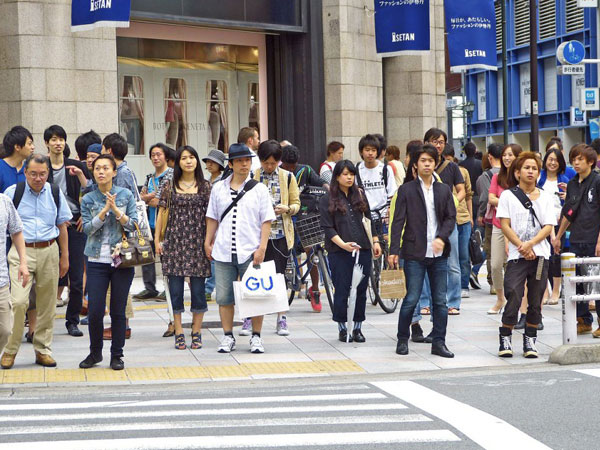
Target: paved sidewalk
(312,349)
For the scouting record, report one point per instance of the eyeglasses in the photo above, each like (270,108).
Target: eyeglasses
(438,142)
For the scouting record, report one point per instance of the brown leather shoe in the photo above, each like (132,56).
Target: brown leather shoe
(107,335)
(44,360)
(596,333)
(7,360)
(582,327)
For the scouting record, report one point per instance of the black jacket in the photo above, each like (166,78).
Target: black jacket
(73,184)
(475,170)
(410,215)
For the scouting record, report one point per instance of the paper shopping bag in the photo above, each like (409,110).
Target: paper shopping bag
(392,284)
(259,306)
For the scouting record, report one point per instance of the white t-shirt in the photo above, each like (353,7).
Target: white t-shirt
(524,224)
(375,189)
(326,171)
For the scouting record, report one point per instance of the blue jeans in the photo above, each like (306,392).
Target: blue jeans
(209,284)
(414,271)
(464,234)
(417,314)
(176,285)
(99,277)
(225,274)
(453,294)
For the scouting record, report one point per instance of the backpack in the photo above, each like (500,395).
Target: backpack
(20,190)
(385,175)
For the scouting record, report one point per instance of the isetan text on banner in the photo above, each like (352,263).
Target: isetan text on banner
(471,28)
(88,14)
(401,27)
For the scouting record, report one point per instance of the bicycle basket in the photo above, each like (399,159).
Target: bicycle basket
(309,231)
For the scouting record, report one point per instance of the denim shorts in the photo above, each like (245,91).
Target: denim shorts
(225,274)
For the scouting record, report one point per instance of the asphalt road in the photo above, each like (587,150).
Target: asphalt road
(521,408)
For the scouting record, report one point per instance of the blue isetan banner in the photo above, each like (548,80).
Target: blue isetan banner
(89,14)
(471,28)
(401,27)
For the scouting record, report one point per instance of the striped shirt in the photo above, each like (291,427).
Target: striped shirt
(233,213)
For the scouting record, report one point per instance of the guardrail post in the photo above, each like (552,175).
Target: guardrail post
(569,307)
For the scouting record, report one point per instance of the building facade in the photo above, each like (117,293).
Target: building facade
(558,21)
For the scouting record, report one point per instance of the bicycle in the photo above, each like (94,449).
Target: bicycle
(309,232)
(389,305)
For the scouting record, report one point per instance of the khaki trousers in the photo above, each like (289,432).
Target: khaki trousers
(43,268)
(498,258)
(128,307)
(6,319)
(487,248)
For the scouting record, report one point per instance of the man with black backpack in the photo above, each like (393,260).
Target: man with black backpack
(45,214)
(238,225)
(527,219)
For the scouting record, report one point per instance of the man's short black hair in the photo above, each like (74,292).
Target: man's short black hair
(448,150)
(369,140)
(435,133)
(429,150)
(16,136)
(269,148)
(167,151)
(290,154)
(495,150)
(117,144)
(383,144)
(83,141)
(470,149)
(54,130)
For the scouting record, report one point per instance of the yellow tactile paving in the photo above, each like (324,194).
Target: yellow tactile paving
(147,373)
(15,376)
(65,375)
(105,374)
(244,370)
(189,373)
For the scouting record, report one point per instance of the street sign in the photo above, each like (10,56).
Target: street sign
(595,128)
(451,103)
(578,69)
(589,99)
(578,117)
(587,3)
(570,52)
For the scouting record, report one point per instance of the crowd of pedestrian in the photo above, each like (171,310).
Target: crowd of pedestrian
(83,223)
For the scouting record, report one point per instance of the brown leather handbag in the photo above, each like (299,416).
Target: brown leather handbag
(163,213)
(135,250)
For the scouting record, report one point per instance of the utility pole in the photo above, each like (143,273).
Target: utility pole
(504,72)
(534,141)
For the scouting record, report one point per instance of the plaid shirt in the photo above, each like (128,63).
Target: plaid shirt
(271,180)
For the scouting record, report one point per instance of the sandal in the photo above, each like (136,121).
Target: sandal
(453,312)
(180,342)
(425,311)
(170,330)
(196,341)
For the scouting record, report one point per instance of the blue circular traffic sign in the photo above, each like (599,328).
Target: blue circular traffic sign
(570,52)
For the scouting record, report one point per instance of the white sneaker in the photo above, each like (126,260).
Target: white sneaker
(246,327)
(464,293)
(256,344)
(282,328)
(227,344)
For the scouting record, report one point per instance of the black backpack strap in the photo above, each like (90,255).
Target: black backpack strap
(385,175)
(525,201)
(19,191)
(247,187)
(358,179)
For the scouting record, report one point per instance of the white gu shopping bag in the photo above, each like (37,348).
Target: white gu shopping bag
(261,291)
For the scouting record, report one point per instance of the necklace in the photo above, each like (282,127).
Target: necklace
(188,185)
(530,192)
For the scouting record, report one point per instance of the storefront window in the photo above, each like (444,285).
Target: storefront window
(253,110)
(216,115)
(175,109)
(131,113)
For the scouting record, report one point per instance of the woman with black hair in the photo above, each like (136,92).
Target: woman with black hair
(343,211)
(183,248)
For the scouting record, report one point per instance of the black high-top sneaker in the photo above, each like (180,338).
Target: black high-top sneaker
(505,350)
(529,349)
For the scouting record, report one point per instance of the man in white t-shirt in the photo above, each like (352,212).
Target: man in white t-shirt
(375,177)
(527,230)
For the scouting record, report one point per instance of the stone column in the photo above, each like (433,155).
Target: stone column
(52,76)
(353,79)
(415,87)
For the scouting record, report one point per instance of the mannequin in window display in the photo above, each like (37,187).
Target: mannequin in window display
(174,114)
(132,116)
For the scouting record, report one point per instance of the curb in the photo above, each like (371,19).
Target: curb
(575,354)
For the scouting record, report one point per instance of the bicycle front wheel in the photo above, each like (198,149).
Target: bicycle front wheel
(326,277)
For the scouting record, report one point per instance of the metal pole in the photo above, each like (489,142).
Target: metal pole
(533,138)
(504,73)
(569,308)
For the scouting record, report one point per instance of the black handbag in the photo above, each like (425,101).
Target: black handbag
(475,252)
(136,250)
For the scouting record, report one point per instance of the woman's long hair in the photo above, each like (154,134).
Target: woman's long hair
(177,172)
(337,203)
(504,174)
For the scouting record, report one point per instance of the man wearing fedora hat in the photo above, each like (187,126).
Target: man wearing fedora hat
(238,225)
